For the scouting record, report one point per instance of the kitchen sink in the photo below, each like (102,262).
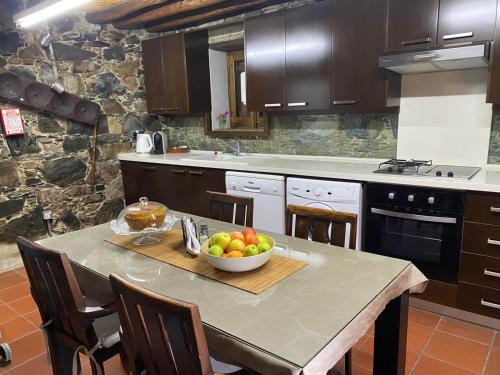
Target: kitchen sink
(228,158)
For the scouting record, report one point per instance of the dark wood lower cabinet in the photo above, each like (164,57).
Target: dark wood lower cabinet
(479,299)
(179,188)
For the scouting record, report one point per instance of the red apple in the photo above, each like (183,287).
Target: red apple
(248,231)
(251,239)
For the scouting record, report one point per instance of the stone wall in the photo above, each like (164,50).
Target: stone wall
(50,167)
(494,152)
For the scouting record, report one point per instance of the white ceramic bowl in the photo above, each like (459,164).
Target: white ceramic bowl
(238,264)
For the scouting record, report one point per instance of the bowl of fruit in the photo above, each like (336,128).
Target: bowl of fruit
(238,251)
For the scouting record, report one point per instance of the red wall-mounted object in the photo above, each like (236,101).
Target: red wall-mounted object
(12,122)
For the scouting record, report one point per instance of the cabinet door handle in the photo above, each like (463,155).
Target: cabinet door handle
(196,173)
(173,109)
(416,41)
(490,304)
(272,105)
(468,34)
(158,109)
(298,104)
(426,57)
(344,102)
(493,242)
(149,169)
(495,209)
(178,171)
(488,272)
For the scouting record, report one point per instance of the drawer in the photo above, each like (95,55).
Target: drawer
(482,239)
(480,270)
(479,299)
(483,208)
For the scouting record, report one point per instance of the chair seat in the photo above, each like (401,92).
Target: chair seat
(107,330)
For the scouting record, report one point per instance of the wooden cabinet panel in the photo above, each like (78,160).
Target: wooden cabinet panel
(174,188)
(482,208)
(479,299)
(482,239)
(265,62)
(177,75)
(412,24)
(202,180)
(141,180)
(466,21)
(358,84)
(308,57)
(480,270)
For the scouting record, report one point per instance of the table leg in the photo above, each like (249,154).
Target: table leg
(390,338)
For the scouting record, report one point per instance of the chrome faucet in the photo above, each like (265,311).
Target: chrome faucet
(236,148)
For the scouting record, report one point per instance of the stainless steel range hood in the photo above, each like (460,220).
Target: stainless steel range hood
(451,58)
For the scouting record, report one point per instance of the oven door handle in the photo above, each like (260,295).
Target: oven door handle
(401,215)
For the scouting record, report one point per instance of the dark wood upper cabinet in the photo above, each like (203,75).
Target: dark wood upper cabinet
(358,84)
(412,24)
(308,57)
(176,73)
(462,21)
(265,62)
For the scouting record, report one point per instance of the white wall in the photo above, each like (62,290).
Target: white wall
(218,84)
(444,117)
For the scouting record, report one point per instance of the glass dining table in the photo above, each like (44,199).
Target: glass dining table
(302,325)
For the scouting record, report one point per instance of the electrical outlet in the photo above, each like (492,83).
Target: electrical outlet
(47,215)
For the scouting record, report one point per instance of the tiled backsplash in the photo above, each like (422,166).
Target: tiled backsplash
(358,135)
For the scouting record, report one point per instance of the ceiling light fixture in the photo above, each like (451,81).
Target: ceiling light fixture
(45,10)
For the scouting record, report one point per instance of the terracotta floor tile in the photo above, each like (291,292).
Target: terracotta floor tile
(11,280)
(39,366)
(467,330)
(418,335)
(6,274)
(493,364)
(34,317)
(24,305)
(496,342)
(112,366)
(26,348)
(430,366)
(7,313)
(364,356)
(15,292)
(16,328)
(411,359)
(423,317)
(457,351)
(360,370)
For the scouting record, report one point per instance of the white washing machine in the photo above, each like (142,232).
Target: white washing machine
(330,195)
(268,193)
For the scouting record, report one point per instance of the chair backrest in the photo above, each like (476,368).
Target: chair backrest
(161,335)
(320,225)
(230,208)
(56,291)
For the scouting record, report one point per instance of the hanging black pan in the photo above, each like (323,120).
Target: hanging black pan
(86,111)
(63,104)
(11,86)
(38,95)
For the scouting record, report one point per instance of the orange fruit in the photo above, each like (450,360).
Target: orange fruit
(237,236)
(235,254)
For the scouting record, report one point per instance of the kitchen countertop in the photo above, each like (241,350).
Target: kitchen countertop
(352,169)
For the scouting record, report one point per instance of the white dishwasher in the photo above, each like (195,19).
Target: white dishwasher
(268,193)
(329,195)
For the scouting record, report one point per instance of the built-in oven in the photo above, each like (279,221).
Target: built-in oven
(421,225)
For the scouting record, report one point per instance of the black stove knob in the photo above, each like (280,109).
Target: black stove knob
(390,169)
(439,173)
(450,174)
(400,169)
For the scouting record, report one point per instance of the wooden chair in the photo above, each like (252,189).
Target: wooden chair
(230,208)
(161,335)
(323,226)
(71,322)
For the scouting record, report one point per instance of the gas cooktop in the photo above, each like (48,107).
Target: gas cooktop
(424,168)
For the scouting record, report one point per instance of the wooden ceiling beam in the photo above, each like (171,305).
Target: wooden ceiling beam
(212,15)
(115,10)
(175,10)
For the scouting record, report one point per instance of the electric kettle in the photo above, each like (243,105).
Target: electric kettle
(144,144)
